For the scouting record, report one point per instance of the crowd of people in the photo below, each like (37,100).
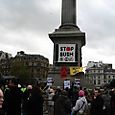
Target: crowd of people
(21,100)
(32,100)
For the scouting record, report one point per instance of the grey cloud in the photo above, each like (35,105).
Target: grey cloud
(26,14)
(39,17)
(97,21)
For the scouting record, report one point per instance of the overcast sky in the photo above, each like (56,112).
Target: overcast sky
(25,25)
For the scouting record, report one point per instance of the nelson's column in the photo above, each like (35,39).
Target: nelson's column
(68,41)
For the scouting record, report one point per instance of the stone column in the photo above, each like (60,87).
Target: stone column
(68,14)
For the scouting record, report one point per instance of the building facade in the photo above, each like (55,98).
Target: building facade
(5,59)
(4,55)
(99,73)
(27,65)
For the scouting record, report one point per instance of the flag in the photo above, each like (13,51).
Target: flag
(63,72)
(75,70)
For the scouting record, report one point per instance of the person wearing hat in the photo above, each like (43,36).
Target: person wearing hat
(81,104)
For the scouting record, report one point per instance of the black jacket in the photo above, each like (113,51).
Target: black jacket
(97,106)
(62,105)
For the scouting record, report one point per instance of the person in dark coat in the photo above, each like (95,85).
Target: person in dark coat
(35,102)
(12,99)
(97,103)
(25,97)
(112,101)
(63,104)
(55,97)
(107,105)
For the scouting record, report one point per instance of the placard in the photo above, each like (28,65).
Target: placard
(49,81)
(66,53)
(67,84)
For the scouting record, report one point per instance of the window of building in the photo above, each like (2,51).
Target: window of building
(94,77)
(94,82)
(109,81)
(104,77)
(113,77)
(98,82)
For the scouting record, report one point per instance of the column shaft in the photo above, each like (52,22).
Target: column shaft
(68,15)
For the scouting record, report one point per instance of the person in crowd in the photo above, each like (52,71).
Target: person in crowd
(35,102)
(106,98)
(55,97)
(57,94)
(63,104)
(25,96)
(112,101)
(74,95)
(51,102)
(1,102)
(81,104)
(1,98)
(97,103)
(12,99)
